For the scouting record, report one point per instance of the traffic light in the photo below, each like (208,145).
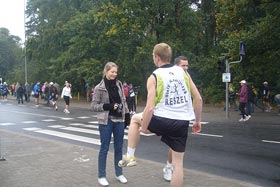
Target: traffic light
(242,49)
(221,66)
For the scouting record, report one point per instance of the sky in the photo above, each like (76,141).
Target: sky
(12,16)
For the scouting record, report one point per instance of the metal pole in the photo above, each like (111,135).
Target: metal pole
(25,63)
(1,157)
(227,96)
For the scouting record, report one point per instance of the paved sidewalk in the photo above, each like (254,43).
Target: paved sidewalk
(40,162)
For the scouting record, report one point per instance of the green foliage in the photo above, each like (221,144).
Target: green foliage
(72,40)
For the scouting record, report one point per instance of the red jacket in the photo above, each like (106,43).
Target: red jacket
(243,94)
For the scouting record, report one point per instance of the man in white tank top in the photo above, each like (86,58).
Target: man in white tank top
(168,111)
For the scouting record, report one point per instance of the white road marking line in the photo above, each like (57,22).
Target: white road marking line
(6,124)
(84,125)
(33,114)
(69,136)
(32,129)
(75,129)
(49,120)
(268,141)
(29,122)
(212,135)
(91,126)
(94,122)
(66,119)
(202,122)
(57,126)
(83,117)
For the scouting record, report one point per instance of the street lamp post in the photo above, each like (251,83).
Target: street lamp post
(25,60)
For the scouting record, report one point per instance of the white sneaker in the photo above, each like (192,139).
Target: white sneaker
(122,179)
(103,181)
(241,120)
(167,172)
(248,117)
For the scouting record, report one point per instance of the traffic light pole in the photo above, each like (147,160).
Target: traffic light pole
(227,83)
(242,53)
(227,96)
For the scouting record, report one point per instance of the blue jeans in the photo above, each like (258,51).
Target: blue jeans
(250,107)
(117,128)
(258,103)
(233,100)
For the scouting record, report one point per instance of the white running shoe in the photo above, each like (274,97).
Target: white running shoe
(167,172)
(248,117)
(103,181)
(122,179)
(241,120)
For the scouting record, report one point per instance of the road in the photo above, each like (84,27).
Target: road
(247,151)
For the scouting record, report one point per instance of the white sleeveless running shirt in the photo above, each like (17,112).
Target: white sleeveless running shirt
(173,97)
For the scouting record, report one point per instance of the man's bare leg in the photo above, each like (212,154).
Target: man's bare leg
(178,173)
(133,132)
(133,139)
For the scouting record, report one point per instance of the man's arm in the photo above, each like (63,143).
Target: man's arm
(148,111)
(197,103)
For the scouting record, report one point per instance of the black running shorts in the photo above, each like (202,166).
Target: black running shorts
(174,133)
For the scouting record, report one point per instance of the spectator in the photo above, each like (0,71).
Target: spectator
(232,97)
(20,92)
(132,100)
(110,103)
(266,97)
(277,100)
(243,99)
(66,95)
(27,92)
(37,91)
(53,95)
(251,98)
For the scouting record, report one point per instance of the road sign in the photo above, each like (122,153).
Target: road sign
(226,77)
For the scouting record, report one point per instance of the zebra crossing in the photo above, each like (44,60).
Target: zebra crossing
(86,131)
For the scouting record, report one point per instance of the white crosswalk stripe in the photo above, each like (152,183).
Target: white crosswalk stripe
(87,130)
(7,124)
(69,136)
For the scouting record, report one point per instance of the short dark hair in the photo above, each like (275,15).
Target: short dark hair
(179,58)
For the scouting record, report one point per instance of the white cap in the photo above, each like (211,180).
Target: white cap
(51,83)
(243,82)
(265,82)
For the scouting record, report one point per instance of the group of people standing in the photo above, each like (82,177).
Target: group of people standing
(50,92)
(130,95)
(167,113)
(47,91)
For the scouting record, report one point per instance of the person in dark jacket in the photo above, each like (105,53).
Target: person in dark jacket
(20,92)
(251,99)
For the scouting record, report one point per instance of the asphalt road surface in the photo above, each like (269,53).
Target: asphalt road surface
(248,151)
